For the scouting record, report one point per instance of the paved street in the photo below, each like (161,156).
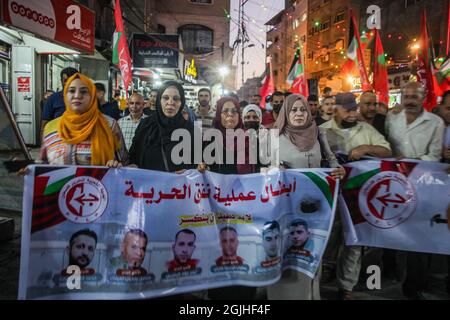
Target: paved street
(10,265)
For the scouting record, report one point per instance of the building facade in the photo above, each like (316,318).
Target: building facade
(327,39)
(287,31)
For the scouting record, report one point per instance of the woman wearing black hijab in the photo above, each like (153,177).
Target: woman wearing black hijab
(152,145)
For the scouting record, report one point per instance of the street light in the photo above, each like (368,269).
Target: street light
(223,71)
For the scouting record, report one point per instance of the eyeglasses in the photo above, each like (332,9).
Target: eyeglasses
(229,111)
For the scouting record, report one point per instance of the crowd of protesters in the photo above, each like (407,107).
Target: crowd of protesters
(81,128)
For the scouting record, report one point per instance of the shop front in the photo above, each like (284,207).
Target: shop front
(38,38)
(156,58)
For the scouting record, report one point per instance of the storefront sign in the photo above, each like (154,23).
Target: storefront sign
(190,72)
(23,84)
(63,21)
(155,51)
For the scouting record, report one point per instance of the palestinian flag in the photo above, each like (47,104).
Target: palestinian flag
(121,53)
(355,57)
(380,77)
(325,183)
(296,77)
(443,75)
(48,182)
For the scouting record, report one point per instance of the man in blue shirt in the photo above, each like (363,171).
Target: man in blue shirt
(109,108)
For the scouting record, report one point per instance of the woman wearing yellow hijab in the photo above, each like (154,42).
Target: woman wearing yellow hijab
(83,135)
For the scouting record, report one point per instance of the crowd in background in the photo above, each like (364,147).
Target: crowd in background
(80,127)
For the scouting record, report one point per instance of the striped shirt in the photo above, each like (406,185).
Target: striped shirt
(207,121)
(128,127)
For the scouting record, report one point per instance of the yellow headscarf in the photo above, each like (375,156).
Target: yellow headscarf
(75,128)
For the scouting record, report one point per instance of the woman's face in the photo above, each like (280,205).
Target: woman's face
(298,114)
(230,115)
(78,96)
(170,102)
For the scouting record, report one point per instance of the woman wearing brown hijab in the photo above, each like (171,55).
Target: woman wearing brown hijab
(302,145)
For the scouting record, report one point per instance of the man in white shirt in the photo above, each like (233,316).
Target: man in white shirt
(417,134)
(129,123)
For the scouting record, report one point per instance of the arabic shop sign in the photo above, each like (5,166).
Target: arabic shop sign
(190,71)
(62,21)
(155,50)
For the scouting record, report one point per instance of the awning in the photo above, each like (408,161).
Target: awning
(41,46)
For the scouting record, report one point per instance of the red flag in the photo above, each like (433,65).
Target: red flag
(448,28)
(268,87)
(355,54)
(425,66)
(121,53)
(380,78)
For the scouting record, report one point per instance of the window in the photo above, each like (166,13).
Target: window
(201,1)
(311,55)
(197,39)
(295,24)
(161,28)
(339,17)
(325,25)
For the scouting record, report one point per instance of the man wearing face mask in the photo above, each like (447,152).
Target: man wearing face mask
(346,134)
(417,134)
(358,139)
(270,117)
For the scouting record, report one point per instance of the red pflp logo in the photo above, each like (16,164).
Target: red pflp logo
(387,200)
(83,200)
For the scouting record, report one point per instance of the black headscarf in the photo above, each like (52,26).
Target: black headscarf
(153,135)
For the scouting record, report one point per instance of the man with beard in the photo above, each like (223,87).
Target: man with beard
(358,139)
(299,236)
(81,250)
(417,134)
(132,256)
(256,99)
(326,110)
(369,111)
(204,112)
(276,102)
(313,102)
(183,248)
(152,99)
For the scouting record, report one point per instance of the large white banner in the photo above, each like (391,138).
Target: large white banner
(98,233)
(397,204)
